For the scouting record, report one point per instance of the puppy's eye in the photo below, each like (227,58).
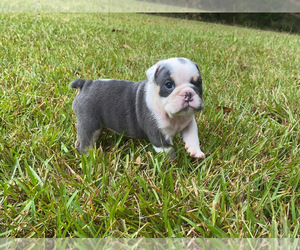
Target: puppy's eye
(169,85)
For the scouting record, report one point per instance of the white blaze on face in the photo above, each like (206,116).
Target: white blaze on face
(182,71)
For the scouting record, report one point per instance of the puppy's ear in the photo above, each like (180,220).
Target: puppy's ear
(200,78)
(197,66)
(153,71)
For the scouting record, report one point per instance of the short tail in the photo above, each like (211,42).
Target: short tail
(77,83)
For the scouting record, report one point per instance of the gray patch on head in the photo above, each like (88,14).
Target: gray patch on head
(164,76)
(182,60)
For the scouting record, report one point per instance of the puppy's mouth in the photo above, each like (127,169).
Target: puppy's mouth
(189,106)
(186,109)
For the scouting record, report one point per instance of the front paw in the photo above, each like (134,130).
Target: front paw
(195,152)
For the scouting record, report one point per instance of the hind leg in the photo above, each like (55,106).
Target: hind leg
(87,134)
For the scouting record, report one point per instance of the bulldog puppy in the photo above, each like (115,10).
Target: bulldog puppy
(154,109)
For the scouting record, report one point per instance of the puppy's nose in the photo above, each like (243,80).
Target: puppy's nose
(188,97)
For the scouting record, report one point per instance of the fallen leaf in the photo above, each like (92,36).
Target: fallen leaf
(156,189)
(115,30)
(288,190)
(138,160)
(90,202)
(125,46)
(244,66)
(225,109)
(195,188)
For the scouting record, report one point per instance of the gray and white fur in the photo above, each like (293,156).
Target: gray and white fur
(154,109)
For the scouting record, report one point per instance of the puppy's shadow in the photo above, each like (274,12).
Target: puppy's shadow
(110,141)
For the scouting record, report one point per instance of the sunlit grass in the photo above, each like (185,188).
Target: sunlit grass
(248,186)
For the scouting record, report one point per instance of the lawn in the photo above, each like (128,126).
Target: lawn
(248,185)
(55,6)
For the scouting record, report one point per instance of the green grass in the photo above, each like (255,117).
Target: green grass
(55,6)
(248,186)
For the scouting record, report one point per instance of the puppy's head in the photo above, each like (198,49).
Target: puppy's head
(177,85)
